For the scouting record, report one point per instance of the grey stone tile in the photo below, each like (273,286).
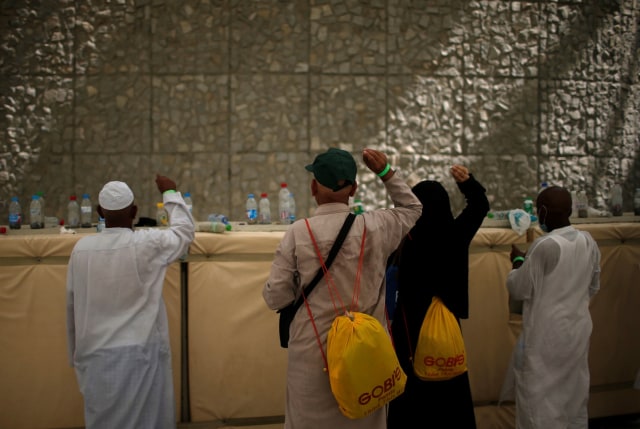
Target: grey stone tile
(112,114)
(270,113)
(425,37)
(584,41)
(501,39)
(425,115)
(348,111)
(501,116)
(113,37)
(270,36)
(190,36)
(190,113)
(37,37)
(348,36)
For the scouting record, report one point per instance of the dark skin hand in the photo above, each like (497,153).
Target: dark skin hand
(376,161)
(165,184)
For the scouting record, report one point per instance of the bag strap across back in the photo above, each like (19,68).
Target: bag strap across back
(332,255)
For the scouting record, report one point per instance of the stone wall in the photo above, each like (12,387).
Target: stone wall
(234,96)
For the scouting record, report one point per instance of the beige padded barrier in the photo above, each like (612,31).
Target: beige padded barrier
(236,367)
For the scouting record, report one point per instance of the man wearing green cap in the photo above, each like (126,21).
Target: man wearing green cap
(310,402)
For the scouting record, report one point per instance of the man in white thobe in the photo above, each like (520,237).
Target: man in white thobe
(117,329)
(555,280)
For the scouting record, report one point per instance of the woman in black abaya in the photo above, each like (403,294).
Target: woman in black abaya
(434,261)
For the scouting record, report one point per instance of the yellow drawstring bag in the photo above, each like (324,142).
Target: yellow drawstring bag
(364,371)
(440,352)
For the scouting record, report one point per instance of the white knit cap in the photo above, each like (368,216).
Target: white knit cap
(115,196)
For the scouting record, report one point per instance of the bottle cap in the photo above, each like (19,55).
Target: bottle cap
(160,205)
(85,195)
(283,185)
(263,195)
(72,198)
(187,194)
(250,196)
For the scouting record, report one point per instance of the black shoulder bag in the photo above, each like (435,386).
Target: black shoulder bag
(288,313)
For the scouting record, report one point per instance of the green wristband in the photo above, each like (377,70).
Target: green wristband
(385,171)
(517,258)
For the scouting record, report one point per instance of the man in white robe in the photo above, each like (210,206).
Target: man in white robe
(309,401)
(555,280)
(118,337)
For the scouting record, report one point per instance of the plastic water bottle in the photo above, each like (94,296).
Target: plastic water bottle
(162,217)
(252,209)
(264,214)
(188,201)
(582,204)
(73,212)
(221,219)
(357,206)
(292,208)
(543,186)
(636,202)
(36,219)
(86,211)
(43,208)
(15,214)
(283,204)
(101,224)
(527,205)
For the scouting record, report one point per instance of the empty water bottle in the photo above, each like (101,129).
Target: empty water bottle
(264,210)
(101,224)
(73,212)
(36,219)
(283,204)
(86,211)
(292,208)
(188,201)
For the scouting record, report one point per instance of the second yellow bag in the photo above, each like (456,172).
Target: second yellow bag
(440,352)
(364,371)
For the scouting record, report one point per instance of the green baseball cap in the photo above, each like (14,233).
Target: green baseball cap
(331,167)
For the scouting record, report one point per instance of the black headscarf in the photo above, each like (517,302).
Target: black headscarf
(436,208)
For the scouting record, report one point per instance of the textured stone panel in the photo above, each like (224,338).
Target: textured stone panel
(594,175)
(270,36)
(585,41)
(112,37)
(425,37)
(501,38)
(112,114)
(348,111)
(35,116)
(190,113)
(567,118)
(501,116)
(190,36)
(36,37)
(270,113)
(264,172)
(204,175)
(425,115)
(608,100)
(348,36)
